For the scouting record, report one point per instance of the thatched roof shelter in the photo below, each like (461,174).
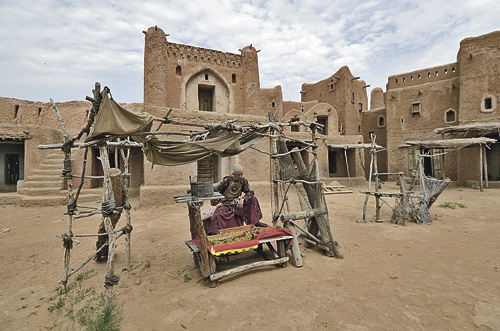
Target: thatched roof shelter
(456,144)
(448,143)
(478,129)
(353,146)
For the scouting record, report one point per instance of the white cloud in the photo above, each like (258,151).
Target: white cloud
(58,49)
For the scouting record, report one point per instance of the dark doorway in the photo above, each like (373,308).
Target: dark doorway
(427,161)
(205,98)
(332,161)
(11,168)
(493,160)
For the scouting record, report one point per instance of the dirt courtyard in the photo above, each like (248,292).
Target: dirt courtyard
(444,276)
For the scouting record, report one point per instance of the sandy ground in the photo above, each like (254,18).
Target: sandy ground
(443,276)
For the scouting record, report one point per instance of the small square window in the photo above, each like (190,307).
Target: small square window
(415,108)
(487,103)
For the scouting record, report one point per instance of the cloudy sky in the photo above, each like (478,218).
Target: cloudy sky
(59,48)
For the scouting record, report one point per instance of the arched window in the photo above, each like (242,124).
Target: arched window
(178,71)
(233,78)
(450,116)
(381,122)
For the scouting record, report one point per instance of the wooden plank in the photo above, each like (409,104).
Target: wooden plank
(265,240)
(246,267)
(200,233)
(304,214)
(282,252)
(297,257)
(338,192)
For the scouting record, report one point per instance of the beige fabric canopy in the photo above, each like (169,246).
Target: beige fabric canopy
(221,143)
(113,119)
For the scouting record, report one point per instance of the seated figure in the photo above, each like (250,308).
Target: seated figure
(234,209)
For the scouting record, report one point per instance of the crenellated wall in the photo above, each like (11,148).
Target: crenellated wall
(423,76)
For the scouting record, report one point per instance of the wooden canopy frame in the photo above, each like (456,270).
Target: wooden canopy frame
(458,143)
(116,184)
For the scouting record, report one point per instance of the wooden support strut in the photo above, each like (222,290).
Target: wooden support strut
(126,184)
(246,267)
(207,263)
(106,197)
(71,202)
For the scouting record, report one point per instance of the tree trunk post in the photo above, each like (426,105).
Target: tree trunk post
(486,182)
(111,279)
(126,204)
(481,167)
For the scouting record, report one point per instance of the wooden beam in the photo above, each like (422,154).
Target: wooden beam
(303,214)
(246,267)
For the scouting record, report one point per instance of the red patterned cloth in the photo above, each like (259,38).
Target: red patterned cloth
(245,245)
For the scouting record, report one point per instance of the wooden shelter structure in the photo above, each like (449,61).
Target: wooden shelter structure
(408,203)
(345,147)
(474,129)
(111,126)
(290,176)
(481,142)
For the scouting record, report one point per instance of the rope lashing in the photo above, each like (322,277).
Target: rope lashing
(108,207)
(127,206)
(72,208)
(66,147)
(67,241)
(111,280)
(127,229)
(67,168)
(195,204)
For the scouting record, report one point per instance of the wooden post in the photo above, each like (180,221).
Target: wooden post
(372,152)
(126,184)
(404,197)
(201,235)
(377,184)
(111,279)
(117,188)
(67,241)
(485,167)
(481,167)
(347,167)
(297,257)
(442,165)
(310,189)
(69,224)
(274,174)
(316,201)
